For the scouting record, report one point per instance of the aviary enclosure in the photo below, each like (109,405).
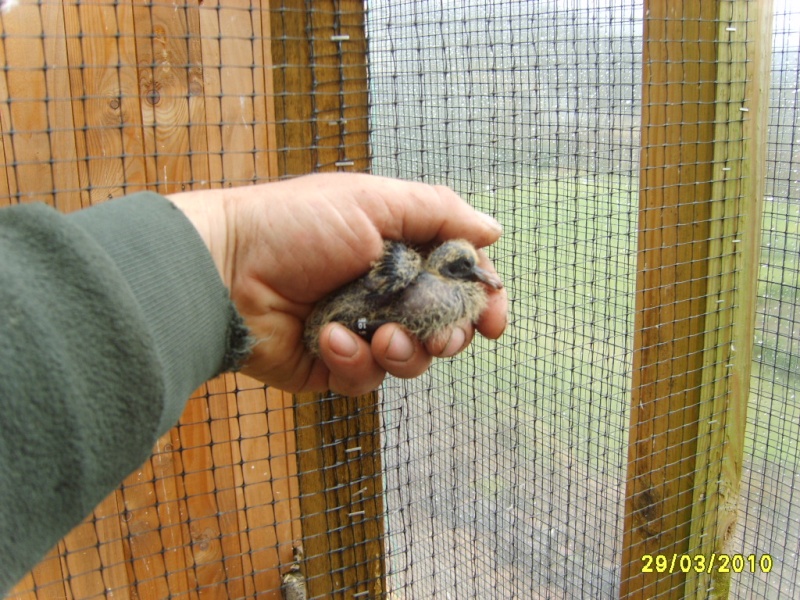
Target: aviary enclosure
(634,433)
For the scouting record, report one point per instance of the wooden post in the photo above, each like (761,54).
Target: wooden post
(341,495)
(320,84)
(745,42)
(322,125)
(701,185)
(675,190)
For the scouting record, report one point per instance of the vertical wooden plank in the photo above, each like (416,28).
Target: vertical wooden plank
(259,490)
(354,120)
(236,56)
(74,59)
(711,405)
(283,465)
(212,89)
(328,85)
(202,510)
(8,182)
(228,485)
(172,517)
(341,495)
(293,84)
(146,555)
(61,133)
(253,454)
(262,148)
(198,125)
(339,93)
(45,579)
(238,93)
(162,51)
(268,101)
(678,91)
(229,60)
(109,538)
(24,590)
(321,97)
(25,118)
(82,560)
(104,82)
(743,80)
(321,109)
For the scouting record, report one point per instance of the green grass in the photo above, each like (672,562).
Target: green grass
(774,408)
(560,377)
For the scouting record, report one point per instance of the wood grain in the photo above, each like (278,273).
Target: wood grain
(341,495)
(105,96)
(743,81)
(101,99)
(25,117)
(706,74)
(678,97)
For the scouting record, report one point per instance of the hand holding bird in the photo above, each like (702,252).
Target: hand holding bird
(281,247)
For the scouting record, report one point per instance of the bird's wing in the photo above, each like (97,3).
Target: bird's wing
(392,273)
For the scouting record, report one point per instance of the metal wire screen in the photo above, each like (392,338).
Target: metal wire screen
(771,515)
(505,471)
(609,142)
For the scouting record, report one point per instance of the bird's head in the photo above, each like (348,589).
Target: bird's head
(458,259)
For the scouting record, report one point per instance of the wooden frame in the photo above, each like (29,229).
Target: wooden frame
(322,116)
(706,76)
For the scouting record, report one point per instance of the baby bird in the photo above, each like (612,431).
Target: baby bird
(424,295)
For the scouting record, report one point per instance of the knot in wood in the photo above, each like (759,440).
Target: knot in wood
(153,93)
(647,513)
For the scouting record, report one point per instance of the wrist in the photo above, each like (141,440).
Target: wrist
(206,211)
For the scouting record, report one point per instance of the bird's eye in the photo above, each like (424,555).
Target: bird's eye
(461,268)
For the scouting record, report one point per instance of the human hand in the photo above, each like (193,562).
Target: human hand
(280,247)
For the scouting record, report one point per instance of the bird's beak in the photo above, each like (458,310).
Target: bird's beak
(486,277)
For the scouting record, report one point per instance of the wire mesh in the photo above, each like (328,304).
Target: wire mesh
(770,516)
(503,473)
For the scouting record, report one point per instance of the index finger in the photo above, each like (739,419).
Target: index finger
(420,213)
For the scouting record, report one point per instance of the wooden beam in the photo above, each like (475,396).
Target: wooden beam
(293,84)
(706,76)
(321,108)
(678,109)
(743,80)
(24,116)
(341,495)
(320,85)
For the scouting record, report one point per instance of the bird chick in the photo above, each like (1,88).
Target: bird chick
(426,296)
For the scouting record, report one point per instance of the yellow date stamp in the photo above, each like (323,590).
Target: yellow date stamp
(701,563)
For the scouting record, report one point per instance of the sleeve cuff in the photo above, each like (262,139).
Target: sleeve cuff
(197,331)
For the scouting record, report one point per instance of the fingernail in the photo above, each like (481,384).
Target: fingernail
(342,342)
(400,348)
(457,338)
(490,221)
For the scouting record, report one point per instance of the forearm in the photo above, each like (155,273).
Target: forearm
(109,318)
(195,328)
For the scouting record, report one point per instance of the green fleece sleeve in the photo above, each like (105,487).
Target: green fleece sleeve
(109,318)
